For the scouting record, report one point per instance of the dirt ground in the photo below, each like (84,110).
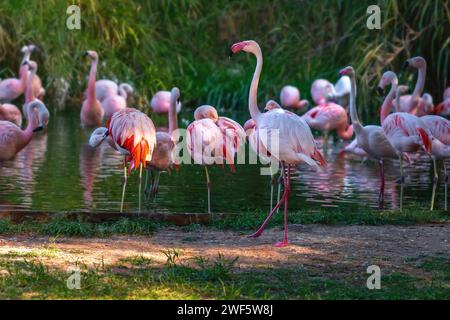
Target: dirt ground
(342,249)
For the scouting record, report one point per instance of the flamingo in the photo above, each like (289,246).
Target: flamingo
(327,117)
(290,98)
(160,102)
(133,134)
(9,112)
(353,148)
(413,103)
(13,138)
(443,108)
(12,88)
(105,88)
(371,138)
(440,150)
(92,111)
(406,132)
(339,93)
(318,88)
(38,91)
(117,102)
(296,143)
(212,139)
(163,155)
(44,115)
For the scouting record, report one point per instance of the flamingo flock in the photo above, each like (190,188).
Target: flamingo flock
(410,126)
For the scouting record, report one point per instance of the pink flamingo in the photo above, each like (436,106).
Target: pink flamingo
(12,88)
(212,139)
(13,139)
(44,115)
(415,104)
(290,98)
(296,142)
(406,132)
(160,102)
(92,111)
(133,134)
(9,112)
(440,150)
(318,90)
(163,155)
(105,88)
(339,93)
(38,91)
(117,102)
(443,108)
(353,148)
(371,139)
(327,117)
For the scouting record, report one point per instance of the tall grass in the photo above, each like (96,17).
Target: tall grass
(160,43)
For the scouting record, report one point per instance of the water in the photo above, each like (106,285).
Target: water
(57,171)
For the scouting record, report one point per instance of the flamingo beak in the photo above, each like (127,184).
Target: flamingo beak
(405,65)
(85,54)
(38,128)
(380,91)
(25,63)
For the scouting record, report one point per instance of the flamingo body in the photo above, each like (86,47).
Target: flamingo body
(9,112)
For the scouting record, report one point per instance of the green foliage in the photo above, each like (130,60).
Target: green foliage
(158,44)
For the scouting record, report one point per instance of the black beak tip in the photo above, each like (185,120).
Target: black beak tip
(38,128)
(380,91)
(25,63)
(405,65)
(85,54)
(230,54)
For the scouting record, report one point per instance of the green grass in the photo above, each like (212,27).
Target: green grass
(158,44)
(244,221)
(137,278)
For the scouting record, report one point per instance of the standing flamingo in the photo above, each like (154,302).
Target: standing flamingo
(296,143)
(163,155)
(340,92)
(91,111)
(212,140)
(13,139)
(414,103)
(134,136)
(9,112)
(440,150)
(406,132)
(160,102)
(38,91)
(318,89)
(371,138)
(290,98)
(44,115)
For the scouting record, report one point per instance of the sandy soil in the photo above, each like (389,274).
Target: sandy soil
(339,249)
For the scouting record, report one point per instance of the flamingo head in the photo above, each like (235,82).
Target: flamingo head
(206,112)
(428,100)
(91,54)
(32,65)
(289,96)
(402,90)
(25,49)
(271,105)
(347,71)
(388,78)
(247,46)
(175,95)
(250,124)
(415,62)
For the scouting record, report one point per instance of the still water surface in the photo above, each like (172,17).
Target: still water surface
(58,171)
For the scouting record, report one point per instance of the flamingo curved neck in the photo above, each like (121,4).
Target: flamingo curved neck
(353,113)
(418,89)
(29,94)
(253,94)
(387,103)
(91,83)
(173,121)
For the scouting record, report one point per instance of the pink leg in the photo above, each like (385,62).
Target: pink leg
(287,186)
(263,226)
(381,195)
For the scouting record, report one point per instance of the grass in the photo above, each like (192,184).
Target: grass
(157,44)
(138,278)
(60,226)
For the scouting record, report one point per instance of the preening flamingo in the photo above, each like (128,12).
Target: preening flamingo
(318,89)
(12,138)
(443,108)
(406,132)
(160,102)
(213,140)
(370,138)
(296,143)
(134,136)
(340,92)
(12,88)
(163,156)
(44,115)
(353,148)
(290,98)
(91,111)
(414,103)
(9,112)
(440,150)
(38,91)
(116,102)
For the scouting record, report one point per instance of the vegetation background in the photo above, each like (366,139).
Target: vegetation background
(161,43)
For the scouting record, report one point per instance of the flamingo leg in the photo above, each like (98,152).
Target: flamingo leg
(287,189)
(155,185)
(435,180)
(263,226)
(280,181)
(208,185)
(124,183)
(402,181)
(445,187)
(381,195)
(272,182)
(140,185)
(146,191)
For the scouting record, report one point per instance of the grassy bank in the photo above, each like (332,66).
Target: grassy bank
(139,278)
(245,221)
(158,44)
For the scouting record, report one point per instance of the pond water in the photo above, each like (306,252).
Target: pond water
(58,171)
